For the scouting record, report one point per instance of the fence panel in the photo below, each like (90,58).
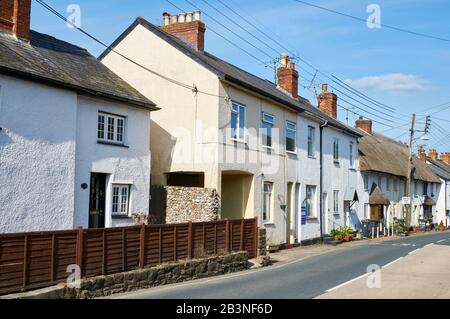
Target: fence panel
(33,260)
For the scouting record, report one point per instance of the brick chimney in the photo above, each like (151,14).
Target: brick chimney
(433,154)
(287,76)
(422,154)
(15,17)
(328,101)
(186,26)
(445,157)
(365,125)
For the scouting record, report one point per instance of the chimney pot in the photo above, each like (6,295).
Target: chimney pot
(287,76)
(166,17)
(182,18)
(197,15)
(433,154)
(324,87)
(174,19)
(189,17)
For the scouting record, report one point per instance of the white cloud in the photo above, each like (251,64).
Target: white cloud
(393,82)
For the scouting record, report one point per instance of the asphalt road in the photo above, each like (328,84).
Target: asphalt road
(302,279)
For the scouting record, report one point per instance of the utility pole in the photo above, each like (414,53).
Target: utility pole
(409,177)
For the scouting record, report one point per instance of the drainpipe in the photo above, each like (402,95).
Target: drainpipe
(322,213)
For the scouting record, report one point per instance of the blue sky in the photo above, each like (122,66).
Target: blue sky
(400,70)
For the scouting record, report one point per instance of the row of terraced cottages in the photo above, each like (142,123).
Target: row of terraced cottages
(83,141)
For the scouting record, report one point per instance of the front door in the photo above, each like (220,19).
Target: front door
(97,201)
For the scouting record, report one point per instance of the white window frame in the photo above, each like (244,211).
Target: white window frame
(122,207)
(311,141)
(291,130)
(271,123)
(336,202)
(267,215)
(336,150)
(352,155)
(241,132)
(115,132)
(311,213)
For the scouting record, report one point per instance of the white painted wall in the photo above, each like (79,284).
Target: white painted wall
(37,156)
(48,148)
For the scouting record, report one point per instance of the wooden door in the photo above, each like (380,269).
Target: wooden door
(97,201)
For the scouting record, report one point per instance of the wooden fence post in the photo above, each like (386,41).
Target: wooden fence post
(80,242)
(142,247)
(241,246)
(256,237)
(190,240)
(227,235)
(25,261)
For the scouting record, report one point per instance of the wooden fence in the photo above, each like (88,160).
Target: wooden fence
(35,260)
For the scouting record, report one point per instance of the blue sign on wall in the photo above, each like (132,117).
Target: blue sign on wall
(303,214)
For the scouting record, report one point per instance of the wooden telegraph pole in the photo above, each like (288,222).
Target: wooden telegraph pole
(409,177)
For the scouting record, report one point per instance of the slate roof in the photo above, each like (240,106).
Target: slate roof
(229,72)
(379,153)
(440,168)
(49,60)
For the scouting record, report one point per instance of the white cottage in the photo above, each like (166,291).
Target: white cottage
(74,137)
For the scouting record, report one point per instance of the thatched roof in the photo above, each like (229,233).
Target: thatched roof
(377,197)
(379,153)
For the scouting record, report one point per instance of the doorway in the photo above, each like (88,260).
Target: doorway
(97,201)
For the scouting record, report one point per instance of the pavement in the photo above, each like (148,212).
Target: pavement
(322,271)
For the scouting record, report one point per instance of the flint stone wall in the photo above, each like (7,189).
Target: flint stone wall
(102,286)
(173,205)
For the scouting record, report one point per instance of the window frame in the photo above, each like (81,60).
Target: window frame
(120,203)
(311,141)
(336,202)
(311,206)
(366,182)
(336,150)
(239,129)
(272,125)
(105,125)
(267,215)
(291,130)
(352,155)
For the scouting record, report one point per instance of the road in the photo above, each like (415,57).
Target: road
(301,279)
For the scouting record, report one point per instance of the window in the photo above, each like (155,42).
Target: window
(311,133)
(237,122)
(310,201)
(366,182)
(395,185)
(352,155)
(336,202)
(120,199)
(291,131)
(379,183)
(433,189)
(336,150)
(388,184)
(425,188)
(267,205)
(267,126)
(111,128)
(415,187)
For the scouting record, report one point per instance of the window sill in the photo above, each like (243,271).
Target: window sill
(312,219)
(120,217)
(336,162)
(268,223)
(352,169)
(112,144)
(291,153)
(312,157)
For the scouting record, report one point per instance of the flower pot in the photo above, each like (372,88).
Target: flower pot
(347,238)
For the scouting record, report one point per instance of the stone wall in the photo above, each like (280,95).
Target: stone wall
(262,242)
(161,275)
(174,205)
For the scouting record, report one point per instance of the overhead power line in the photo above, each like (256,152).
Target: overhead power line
(381,24)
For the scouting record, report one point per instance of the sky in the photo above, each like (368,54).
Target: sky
(403,73)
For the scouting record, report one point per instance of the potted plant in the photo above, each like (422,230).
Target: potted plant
(346,231)
(442,226)
(272,247)
(336,234)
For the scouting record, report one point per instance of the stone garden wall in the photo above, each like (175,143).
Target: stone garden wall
(174,205)
(161,275)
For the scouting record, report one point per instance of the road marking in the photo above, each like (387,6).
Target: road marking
(414,251)
(429,245)
(440,241)
(348,282)
(391,263)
